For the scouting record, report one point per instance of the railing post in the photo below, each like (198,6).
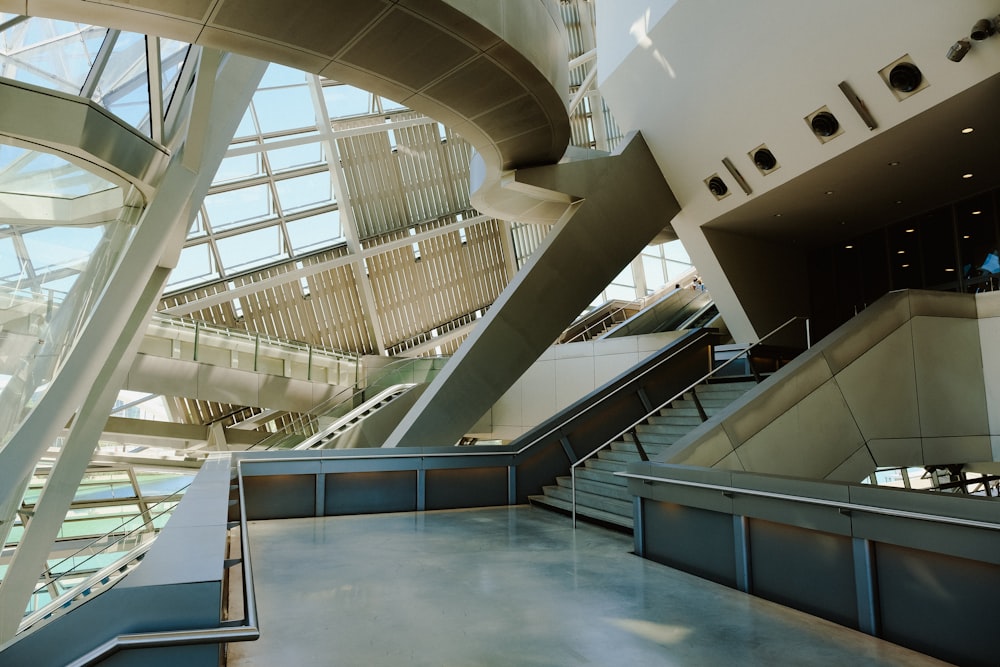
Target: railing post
(638,445)
(197,331)
(256,351)
(808,335)
(309,363)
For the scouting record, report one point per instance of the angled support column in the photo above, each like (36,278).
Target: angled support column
(613,206)
(118,317)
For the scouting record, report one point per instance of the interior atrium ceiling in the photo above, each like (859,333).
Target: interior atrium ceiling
(337,217)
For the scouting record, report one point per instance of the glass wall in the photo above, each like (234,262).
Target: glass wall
(52,267)
(952,248)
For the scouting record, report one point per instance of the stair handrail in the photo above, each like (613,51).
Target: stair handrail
(90,582)
(243,630)
(115,537)
(704,378)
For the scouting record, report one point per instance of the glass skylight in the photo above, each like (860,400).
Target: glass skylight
(28,172)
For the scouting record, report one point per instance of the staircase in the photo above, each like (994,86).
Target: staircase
(604,497)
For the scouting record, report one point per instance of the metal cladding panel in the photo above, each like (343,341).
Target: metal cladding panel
(370,492)
(697,541)
(804,569)
(468,487)
(938,604)
(280,497)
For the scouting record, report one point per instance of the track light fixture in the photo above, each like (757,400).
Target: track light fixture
(958,50)
(983,29)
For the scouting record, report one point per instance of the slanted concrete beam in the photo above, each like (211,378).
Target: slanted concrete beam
(613,205)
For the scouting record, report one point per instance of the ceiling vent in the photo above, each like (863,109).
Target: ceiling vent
(717,186)
(764,159)
(903,77)
(824,125)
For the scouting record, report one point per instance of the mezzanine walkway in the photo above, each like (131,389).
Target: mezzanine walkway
(511,586)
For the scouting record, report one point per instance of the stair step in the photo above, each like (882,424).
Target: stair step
(618,455)
(586,486)
(587,512)
(602,476)
(671,418)
(603,503)
(607,466)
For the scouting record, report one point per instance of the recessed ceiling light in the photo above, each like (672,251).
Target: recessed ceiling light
(967,130)
(828,192)
(906,266)
(777,215)
(950,270)
(910,231)
(967,237)
(976,212)
(894,163)
(900,252)
(848,247)
(966,175)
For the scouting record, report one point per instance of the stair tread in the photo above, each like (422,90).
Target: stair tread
(606,517)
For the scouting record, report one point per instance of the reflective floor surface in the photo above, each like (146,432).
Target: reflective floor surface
(511,586)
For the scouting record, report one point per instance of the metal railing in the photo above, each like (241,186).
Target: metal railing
(198,330)
(343,400)
(631,427)
(245,629)
(340,425)
(103,544)
(823,502)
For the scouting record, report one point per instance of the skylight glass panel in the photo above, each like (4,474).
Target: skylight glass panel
(281,109)
(172,57)
(61,247)
(247,127)
(238,207)
(293,157)
(197,227)
(239,167)
(280,75)
(196,265)
(343,100)
(306,234)
(389,105)
(251,249)
(28,172)
(124,86)
(48,53)
(295,194)
(12,271)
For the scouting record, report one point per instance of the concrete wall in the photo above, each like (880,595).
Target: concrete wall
(911,381)
(562,375)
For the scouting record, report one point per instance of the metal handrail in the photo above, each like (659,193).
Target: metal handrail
(63,600)
(118,535)
(592,453)
(331,430)
(249,630)
(330,404)
(465,451)
(824,502)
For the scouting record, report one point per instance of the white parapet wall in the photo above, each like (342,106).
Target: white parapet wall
(562,375)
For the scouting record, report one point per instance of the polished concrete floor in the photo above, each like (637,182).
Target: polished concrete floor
(511,586)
